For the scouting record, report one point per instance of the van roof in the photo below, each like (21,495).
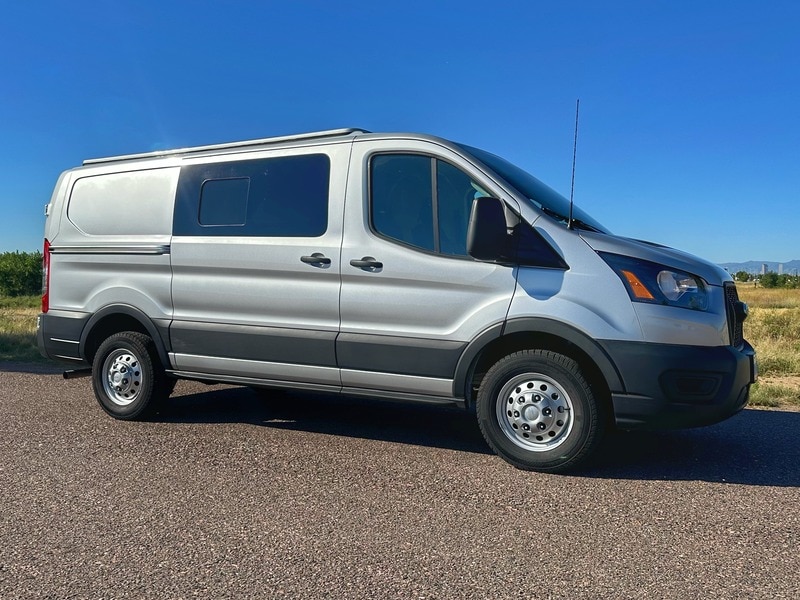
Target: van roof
(230,145)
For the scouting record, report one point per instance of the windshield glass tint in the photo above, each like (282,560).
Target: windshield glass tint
(540,195)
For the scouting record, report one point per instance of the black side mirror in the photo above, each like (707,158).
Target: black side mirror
(487,235)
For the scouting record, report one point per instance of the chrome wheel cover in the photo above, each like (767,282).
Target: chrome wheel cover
(122,377)
(534,412)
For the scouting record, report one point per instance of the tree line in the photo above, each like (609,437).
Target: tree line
(770,279)
(20,273)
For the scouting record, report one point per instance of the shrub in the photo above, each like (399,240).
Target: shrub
(20,273)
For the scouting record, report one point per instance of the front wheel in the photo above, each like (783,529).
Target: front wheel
(537,411)
(127,377)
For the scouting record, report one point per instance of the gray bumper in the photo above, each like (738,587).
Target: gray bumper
(58,335)
(669,386)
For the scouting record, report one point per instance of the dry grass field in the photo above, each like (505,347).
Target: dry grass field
(773,328)
(18,328)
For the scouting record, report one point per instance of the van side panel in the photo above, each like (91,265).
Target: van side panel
(112,247)
(250,297)
(134,203)
(114,244)
(412,316)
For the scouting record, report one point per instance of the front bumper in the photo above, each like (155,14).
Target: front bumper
(670,386)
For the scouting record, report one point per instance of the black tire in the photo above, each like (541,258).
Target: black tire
(537,411)
(127,376)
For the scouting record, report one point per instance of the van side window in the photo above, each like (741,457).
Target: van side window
(224,201)
(280,197)
(421,201)
(402,199)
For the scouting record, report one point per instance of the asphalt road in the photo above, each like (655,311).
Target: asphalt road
(226,494)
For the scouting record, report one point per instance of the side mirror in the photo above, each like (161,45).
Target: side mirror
(487,235)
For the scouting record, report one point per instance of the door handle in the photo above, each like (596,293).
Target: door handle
(366,263)
(316,259)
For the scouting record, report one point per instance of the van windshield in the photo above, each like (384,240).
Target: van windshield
(538,194)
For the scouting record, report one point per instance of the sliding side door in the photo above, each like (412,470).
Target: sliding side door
(256,265)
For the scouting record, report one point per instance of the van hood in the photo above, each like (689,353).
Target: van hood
(677,259)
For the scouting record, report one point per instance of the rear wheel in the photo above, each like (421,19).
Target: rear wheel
(537,411)
(127,376)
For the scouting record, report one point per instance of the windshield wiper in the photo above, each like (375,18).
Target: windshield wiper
(584,225)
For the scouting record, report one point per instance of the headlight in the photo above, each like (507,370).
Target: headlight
(658,284)
(675,284)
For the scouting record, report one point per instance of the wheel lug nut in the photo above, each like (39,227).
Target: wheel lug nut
(542,426)
(547,412)
(526,427)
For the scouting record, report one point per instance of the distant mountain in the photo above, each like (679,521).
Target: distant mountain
(754,266)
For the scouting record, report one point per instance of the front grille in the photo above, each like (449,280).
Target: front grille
(734,324)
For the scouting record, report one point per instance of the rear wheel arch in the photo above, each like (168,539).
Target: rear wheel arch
(114,319)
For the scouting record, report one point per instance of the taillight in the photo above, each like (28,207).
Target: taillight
(46,277)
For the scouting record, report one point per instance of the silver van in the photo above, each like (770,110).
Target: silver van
(394,266)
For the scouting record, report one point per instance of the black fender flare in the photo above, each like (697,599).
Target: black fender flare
(534,325)
(129,311)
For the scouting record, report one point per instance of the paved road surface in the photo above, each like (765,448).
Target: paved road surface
(230,495)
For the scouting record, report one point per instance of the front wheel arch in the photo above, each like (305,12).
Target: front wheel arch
(601,378)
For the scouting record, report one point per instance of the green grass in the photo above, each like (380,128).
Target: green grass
(20,302)
(18,328)
(773,395)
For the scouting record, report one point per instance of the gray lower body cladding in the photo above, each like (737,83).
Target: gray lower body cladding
(59,336)
(670,386)
(663,386)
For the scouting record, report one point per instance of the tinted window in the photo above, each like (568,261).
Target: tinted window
(285,196)
(421,201)
(224,201)
(540,195)
(454,196)
(402,199)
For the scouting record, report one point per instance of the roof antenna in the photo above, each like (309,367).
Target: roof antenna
(574,155)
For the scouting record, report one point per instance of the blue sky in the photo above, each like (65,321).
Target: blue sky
(689,121)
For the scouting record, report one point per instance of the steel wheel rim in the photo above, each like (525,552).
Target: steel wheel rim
(122,377)
(534,412)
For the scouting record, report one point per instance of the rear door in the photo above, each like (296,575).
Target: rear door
(411,297)
(256,270)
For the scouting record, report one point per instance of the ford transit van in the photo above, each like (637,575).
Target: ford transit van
(393,266)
